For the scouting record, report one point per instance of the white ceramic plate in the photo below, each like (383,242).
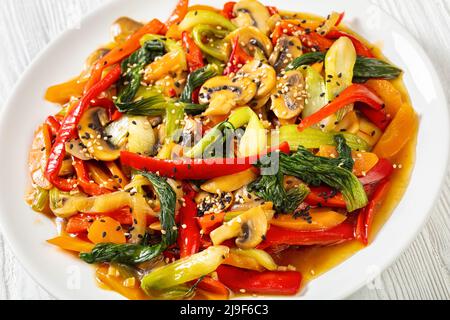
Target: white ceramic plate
(66,277)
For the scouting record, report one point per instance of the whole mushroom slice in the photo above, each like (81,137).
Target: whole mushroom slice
(252,40)
(91,131)
(289,97)
(286,50)
(249,228)
(223,94)
(253,13)
(262,74)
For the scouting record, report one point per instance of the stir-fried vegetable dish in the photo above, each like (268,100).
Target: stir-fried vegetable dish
(190,155)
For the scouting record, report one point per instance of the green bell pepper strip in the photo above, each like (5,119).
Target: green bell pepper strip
(197,17)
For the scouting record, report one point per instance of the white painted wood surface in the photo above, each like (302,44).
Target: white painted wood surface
(422,272)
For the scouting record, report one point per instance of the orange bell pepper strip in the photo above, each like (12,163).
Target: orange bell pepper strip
(61,93)
(366,215)
(71,244)
(325,197)
(392,97)
(178,13)
(354,93)
(210,222)
(398,133)
(122,51)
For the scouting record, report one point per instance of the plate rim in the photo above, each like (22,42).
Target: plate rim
(52,290)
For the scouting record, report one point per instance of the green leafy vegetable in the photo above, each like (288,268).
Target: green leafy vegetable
(132,67)
(270,188)
(131,254)
(345,158)
(155,105)
(197,79)
(365,68)
(315,171)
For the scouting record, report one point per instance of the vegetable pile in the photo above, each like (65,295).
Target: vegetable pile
(189,155)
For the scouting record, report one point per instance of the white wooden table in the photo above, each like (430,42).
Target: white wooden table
(422,272)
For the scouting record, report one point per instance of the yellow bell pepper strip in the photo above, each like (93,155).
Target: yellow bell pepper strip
(69,128)
(122,51)
(178,13)
(71,244)
(116,283)
(268,282)
(194,169)
(230,183)
(392,97)
(398,133)
(354,93)
(366,215)
(61,93)
(117,173)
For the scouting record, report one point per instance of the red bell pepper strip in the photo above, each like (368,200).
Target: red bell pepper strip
(178,13)
(272,10)
(53,124)
(325,197)
(68,131)
(211,285)
(341,18)
(194,55)
(361,48)
(366,215)
(210,222)
(267,282)
(309,38)
(279,236)
(238,58)
(109,106)
(377,117)
(382,170)
(84,181)
(122,51)
(189,240)
(354,93)
(194,169)
(227,10)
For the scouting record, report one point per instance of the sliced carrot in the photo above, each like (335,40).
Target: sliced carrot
(399,132)
(391,96)
(364,161)
(321,219)
(106,230)
(71,244)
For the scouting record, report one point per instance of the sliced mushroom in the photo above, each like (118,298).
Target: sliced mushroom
(249,228)
(252,40)
(223,94)
(287,49)
(92,134)
(252,13)
(262,74)
(77,149)
(123,28)
(289,99)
